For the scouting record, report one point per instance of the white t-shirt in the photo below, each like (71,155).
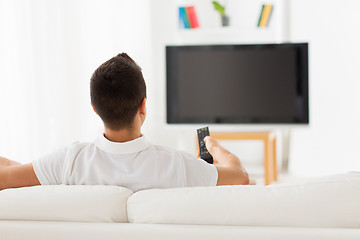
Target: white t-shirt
(136,165)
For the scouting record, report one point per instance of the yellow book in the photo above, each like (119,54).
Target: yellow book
(265,15)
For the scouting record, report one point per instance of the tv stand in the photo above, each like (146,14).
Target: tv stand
(269,138)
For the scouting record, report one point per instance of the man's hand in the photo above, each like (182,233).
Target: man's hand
(212,146)
(210,142)
(229,167)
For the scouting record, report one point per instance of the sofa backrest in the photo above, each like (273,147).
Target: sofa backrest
(332,201)
(65,203)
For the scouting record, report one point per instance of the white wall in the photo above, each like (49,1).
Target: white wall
(331,143)
(49,49)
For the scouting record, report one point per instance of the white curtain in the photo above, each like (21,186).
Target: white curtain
(48,51)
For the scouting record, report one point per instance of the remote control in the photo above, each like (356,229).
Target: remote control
(204,153)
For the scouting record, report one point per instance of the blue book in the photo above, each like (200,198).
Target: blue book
(184,20)
(181,18)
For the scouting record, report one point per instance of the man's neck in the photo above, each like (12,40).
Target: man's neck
(123,135)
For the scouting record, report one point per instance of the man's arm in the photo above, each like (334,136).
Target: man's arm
(17,175)
(229,167)
(7,162)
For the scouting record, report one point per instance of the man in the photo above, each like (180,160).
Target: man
(122,156)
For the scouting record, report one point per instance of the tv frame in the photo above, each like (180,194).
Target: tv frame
(303,62)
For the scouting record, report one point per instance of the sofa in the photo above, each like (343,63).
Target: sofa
(322,208)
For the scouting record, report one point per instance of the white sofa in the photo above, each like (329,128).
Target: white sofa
(324,208)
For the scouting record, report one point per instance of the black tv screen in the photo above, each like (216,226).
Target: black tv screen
(255,84)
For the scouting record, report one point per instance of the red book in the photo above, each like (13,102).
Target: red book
(190,11)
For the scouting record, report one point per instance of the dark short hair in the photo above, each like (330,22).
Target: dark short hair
(117,89)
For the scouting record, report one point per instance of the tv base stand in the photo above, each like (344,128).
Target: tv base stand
(269,138)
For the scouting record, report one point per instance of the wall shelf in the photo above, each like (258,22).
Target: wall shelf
(243,24)
(226,35)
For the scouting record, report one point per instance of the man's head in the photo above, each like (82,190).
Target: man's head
(117,90)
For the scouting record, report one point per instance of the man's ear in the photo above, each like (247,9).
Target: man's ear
(93,108)
(142,108)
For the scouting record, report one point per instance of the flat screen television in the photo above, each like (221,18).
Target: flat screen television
(237,84)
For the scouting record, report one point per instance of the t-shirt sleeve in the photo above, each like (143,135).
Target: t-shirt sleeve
(199,173)
(49,169)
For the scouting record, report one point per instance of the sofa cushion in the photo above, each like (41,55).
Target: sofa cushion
(65,203)
(332,201)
